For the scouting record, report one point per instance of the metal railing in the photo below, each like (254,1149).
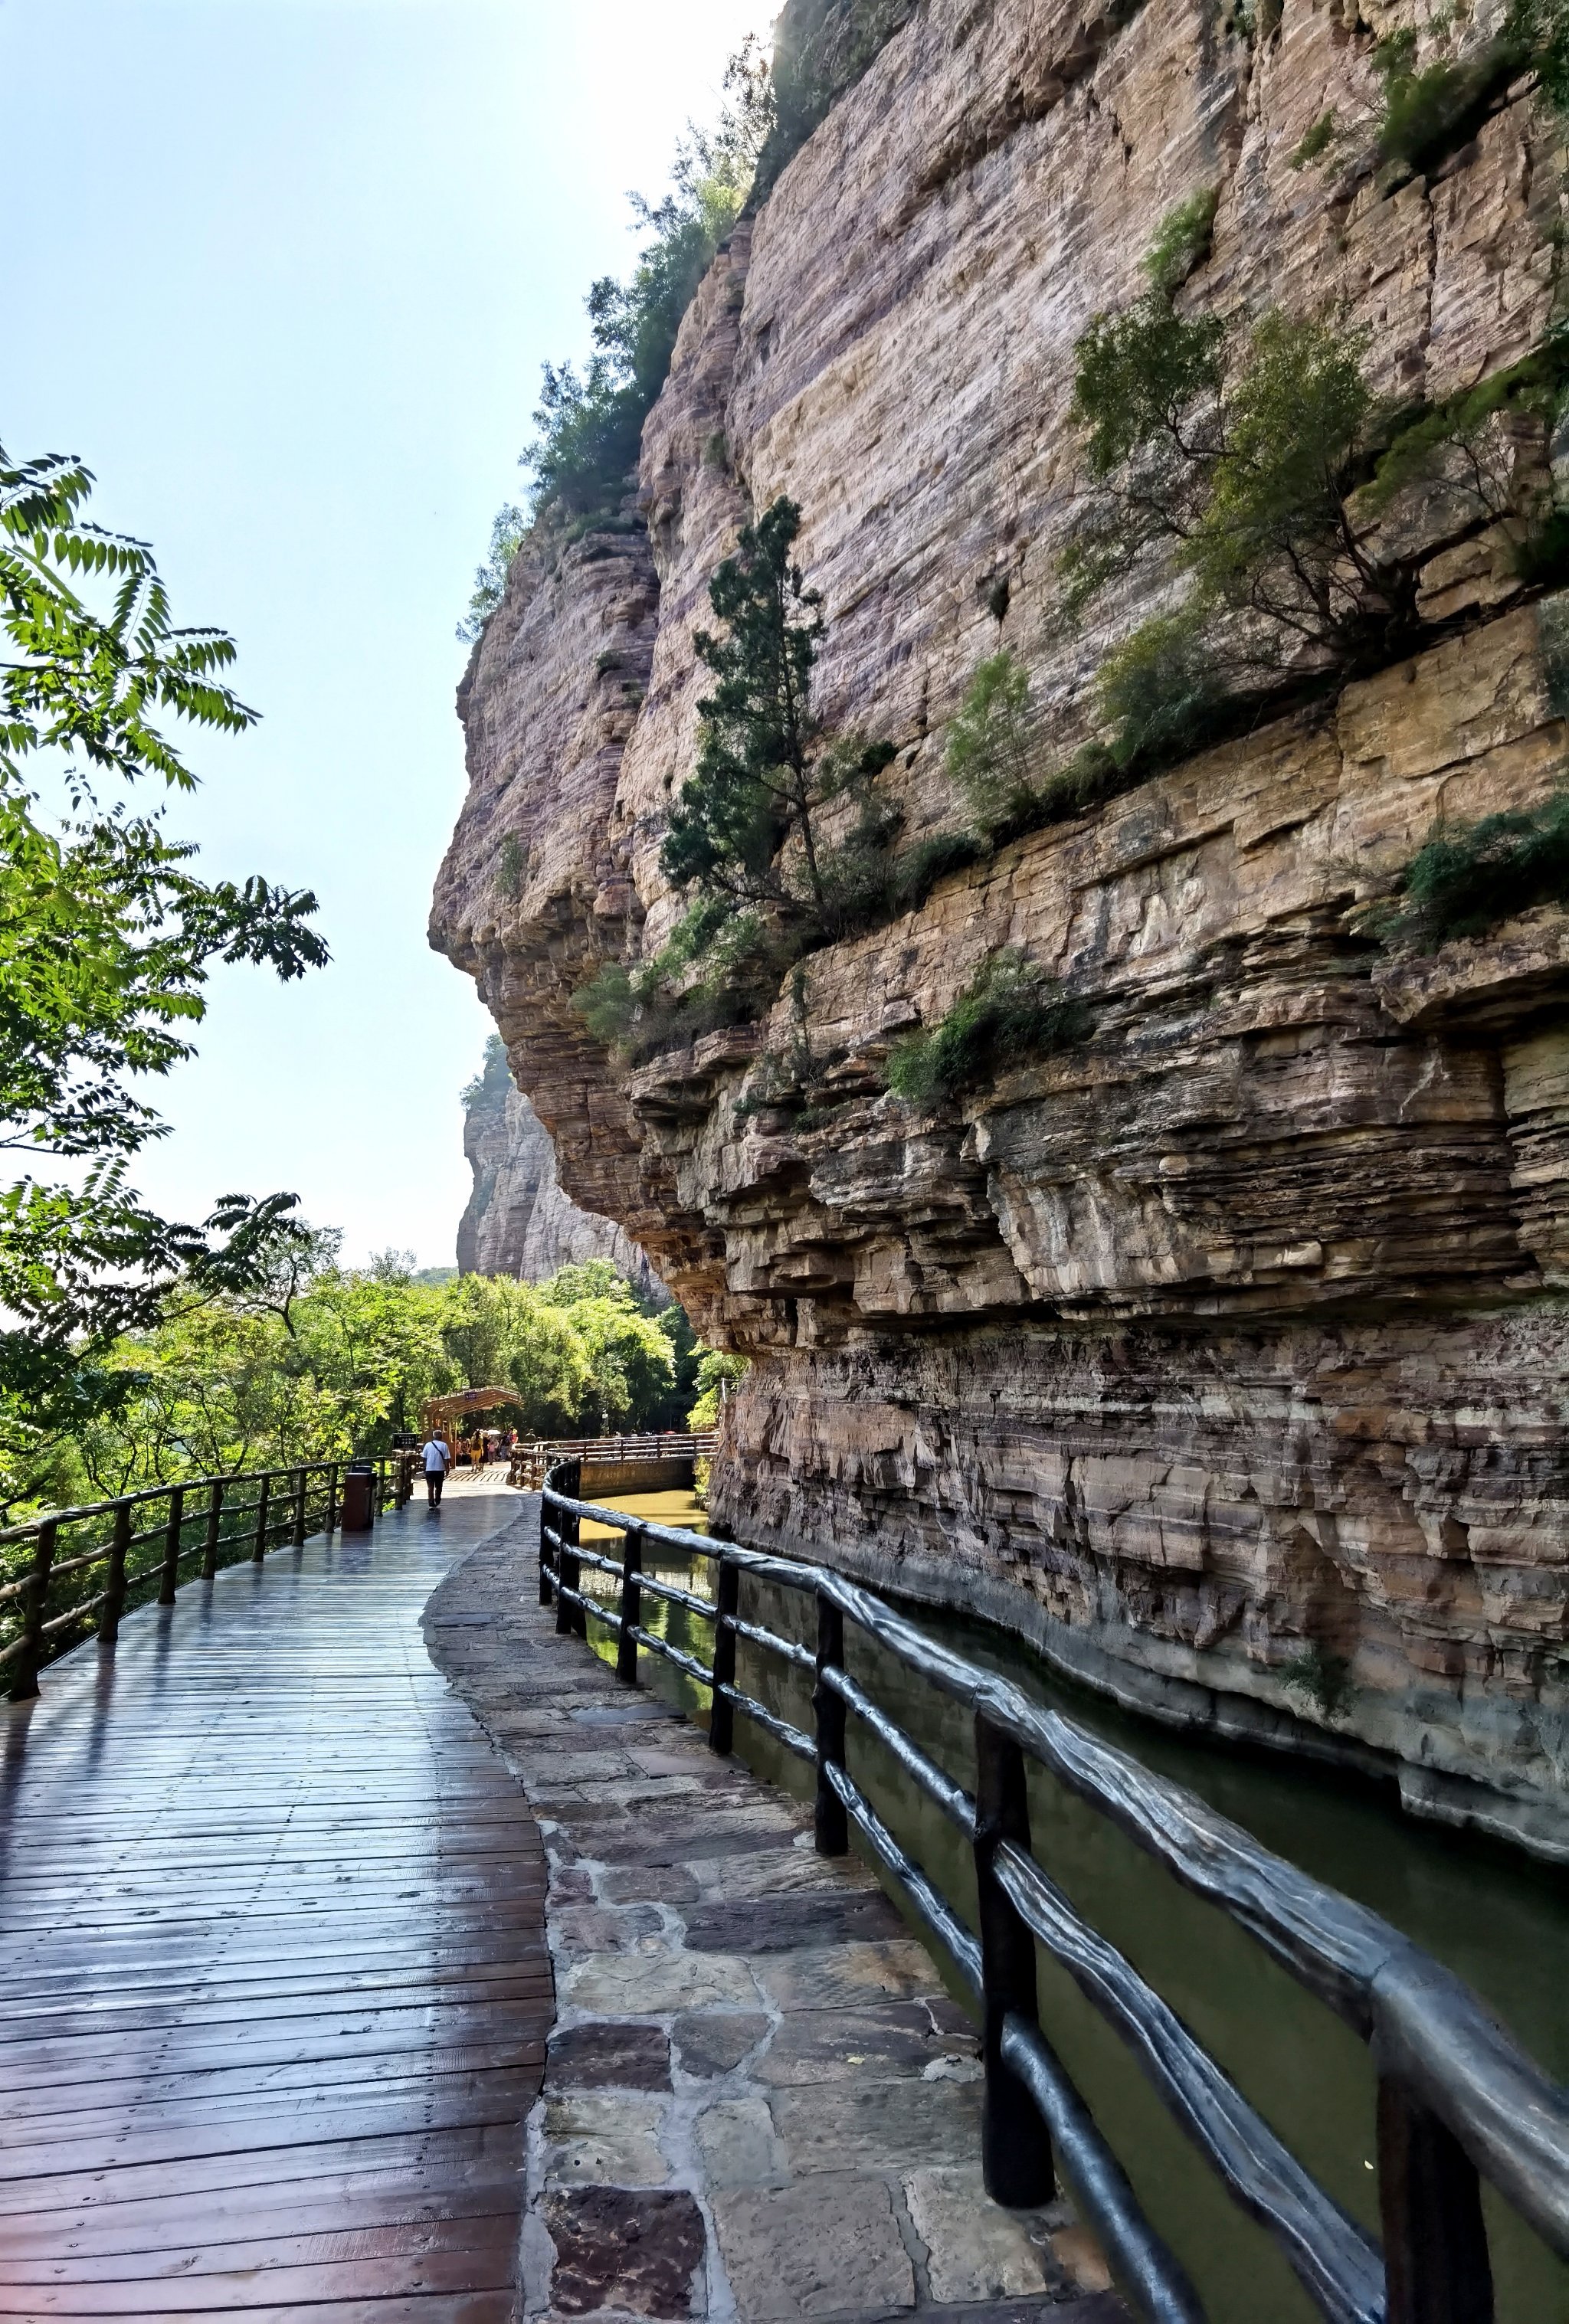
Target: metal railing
(82,1568)
(1458,2100)
(530,1461)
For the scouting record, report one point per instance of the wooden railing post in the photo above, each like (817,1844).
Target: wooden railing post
(830,1820)
(569,1620)
(1437,2265)
(331,1523)
(35,1606)
(298,1537)
(169,1578)
(215,1512)
(263,1497)
(115,1579)
(632,1605)
(1015,2146)
(721,1714)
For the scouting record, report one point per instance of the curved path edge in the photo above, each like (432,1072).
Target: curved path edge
(760,2105)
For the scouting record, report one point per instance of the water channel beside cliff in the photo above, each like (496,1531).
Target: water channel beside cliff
(1500,1923)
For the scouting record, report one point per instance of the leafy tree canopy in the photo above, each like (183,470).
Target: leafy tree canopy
(337,1361)
(588,423)
(106,934)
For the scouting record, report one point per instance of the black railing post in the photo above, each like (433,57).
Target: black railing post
(722,1715)
(569,1621)
(298,1537)
(830,1820)
(632,1605)
(115,1580)
(35,1609)
(331,1524)
(264,1495)
(546,1587)
(215,1512)
(169,1579)
(1015,2145)
(1435,2257)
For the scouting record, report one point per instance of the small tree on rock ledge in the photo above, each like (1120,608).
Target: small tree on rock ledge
(753,789)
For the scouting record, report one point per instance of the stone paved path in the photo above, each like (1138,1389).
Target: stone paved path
(759,2102)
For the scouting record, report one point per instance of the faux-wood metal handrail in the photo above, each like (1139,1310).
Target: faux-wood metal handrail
(196,1506)
(1458,2097)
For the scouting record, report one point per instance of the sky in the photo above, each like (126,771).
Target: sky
(284,272)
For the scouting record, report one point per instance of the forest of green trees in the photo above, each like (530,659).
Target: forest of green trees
(317,1361)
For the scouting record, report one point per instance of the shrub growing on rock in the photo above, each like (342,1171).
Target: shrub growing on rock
(1429,111)
(1324,1678)
(1468,878)
(1257,470)
(1010,1014)
(987,753)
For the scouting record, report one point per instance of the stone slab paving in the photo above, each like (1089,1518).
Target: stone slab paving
(760,2104)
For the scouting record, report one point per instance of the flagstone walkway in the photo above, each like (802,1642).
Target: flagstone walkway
(760,2104)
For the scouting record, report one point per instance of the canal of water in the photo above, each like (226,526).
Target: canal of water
(1497,1920)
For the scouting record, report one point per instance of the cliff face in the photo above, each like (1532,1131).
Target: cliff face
(1235,1337)
(519,1221)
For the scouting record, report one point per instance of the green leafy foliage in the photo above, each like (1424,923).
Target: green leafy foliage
(988,753)
(1317,140)
(1010,1014)
(717,1374)
(491,1084)
(511,866)
(507,535)
(1157,694)
(753,788)
(584,456)
(1322,1677)
(1430,111)
(991,757)
(822,49)
(106,935)
(1182,242)
(1256,470)
(328,1362)
(1468,878)
(720,968)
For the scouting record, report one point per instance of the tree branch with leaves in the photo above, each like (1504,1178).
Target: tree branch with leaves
(106,935)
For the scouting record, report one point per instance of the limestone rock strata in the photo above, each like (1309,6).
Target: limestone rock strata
(1228,1344)
(519,1221)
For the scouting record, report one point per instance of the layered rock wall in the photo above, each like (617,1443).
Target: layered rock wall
(1232,1338)
(519,1220)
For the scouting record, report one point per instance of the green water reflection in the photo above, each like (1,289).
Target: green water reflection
(1499,1923)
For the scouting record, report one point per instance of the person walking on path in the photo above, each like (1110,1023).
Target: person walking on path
(435,1458)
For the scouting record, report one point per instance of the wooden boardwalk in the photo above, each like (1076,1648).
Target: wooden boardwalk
(273,1989)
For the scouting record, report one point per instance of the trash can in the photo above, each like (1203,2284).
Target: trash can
(359,1497)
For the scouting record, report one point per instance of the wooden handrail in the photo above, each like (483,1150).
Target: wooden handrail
(202,1520)
(1460,2101)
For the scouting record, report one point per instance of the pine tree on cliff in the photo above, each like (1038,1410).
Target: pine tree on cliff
(753,791)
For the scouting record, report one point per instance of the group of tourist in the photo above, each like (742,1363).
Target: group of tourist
(475,1451)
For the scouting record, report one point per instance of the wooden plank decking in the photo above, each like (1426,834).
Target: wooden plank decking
(273,1988)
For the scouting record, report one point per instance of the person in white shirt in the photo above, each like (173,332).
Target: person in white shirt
(437,1460)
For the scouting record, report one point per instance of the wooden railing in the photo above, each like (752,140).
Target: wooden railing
(530,1461)
(1458,2102)
(78,1570)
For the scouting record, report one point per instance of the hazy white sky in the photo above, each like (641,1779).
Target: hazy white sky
(284,271)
